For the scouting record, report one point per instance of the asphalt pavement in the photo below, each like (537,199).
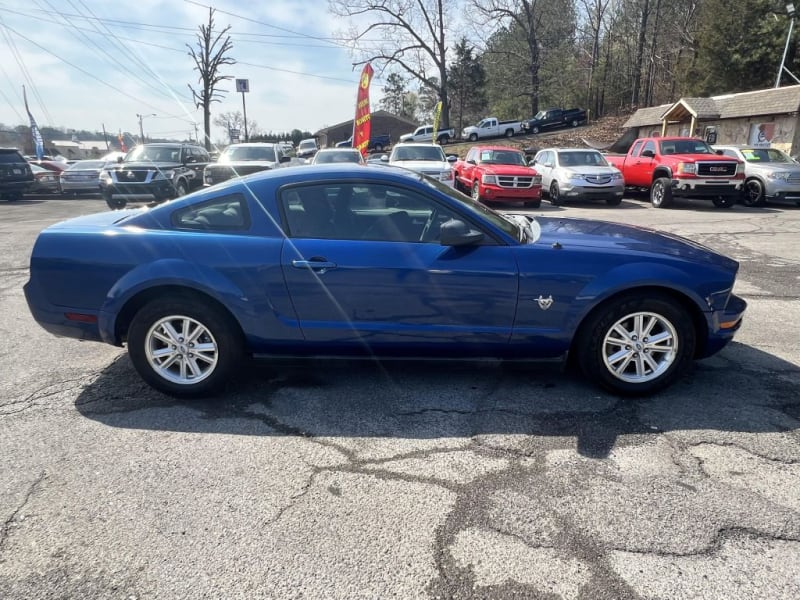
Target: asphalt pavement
(413,479)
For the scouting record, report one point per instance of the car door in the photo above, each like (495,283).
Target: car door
(544,166)
(353,282)
(468,168)
(633,163)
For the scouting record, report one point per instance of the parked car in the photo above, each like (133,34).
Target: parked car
(578,174)
(491,127)
(680,166)
(428,159)
(376,262)
(159,171)
(377,143)
(498,174)
(425,134)
(769,174)
(238,160)
(16,175)
(338,155)
(45,181)
(307,148)
(554,118)
(55,166)
(82,176)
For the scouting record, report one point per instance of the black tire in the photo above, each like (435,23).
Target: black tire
(575,122)
(533,204)
(114,203)
(14,196)
(476,192)
(509,133)
(444,139)
(535,129)
(473,137)
(615,201)
(220,335)
(555,194)
(661,193)
(598,351)
(181,189)
(724,201)
(753,193)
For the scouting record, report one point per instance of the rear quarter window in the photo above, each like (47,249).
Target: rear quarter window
(226,213)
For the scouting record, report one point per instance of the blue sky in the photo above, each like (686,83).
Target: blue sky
(89,63)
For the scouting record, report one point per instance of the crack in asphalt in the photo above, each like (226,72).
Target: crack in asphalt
(722,444)
(30,401)
(4,531)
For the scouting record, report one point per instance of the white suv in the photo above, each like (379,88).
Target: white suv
(428,159)
(307,148)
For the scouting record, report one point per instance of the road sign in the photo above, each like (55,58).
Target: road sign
(242,85)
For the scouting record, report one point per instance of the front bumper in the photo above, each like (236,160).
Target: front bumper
(706,187)
(161,188)
(497,193)
(779,189)
(724,324)
(590,192)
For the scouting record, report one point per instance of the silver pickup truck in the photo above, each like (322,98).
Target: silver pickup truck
(425,134)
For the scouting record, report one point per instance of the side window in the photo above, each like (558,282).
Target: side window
(471,154)
(727,152)
(362,211)
(637,147)
(226,213)
(202,155)
(650,145)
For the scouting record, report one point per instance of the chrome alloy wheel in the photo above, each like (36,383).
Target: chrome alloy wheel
(640,347)
(181,349)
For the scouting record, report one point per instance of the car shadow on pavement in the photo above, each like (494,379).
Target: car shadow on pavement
(740,390)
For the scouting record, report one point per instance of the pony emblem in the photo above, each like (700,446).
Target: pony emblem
(545,303)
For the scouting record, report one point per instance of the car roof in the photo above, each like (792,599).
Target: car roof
(254,144)
(496,147)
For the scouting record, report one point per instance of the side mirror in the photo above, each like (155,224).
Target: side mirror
(531,161)
(457,233)
(648,154)
(191,159)
(119,159)
(451,158)
(719,152)
(384,158)
(472,162)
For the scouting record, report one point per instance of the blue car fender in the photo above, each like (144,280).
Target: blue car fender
(168,272)
(629,276)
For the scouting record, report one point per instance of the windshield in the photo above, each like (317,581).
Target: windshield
(244,153)
(347,156)
(764,155)
(432,153)
(154,153)
(685,147)
(307,144)
(540,114)
(582,158)
(502,157)
(507,223)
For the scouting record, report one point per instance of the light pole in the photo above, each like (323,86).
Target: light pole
(141,129)
(791,13)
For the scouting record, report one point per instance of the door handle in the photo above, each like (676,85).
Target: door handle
(319,266)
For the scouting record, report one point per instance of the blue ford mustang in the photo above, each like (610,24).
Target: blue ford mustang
(371,261)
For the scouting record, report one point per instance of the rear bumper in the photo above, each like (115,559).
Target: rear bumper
(60,320)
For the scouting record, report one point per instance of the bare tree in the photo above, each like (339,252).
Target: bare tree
(235,120)
(409,34)
(209,57)
(595,11)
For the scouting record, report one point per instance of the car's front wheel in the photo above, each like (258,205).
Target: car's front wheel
(753,193)
(181,189)
(114,203)
(661,193)
(473,137)
(183,347)
(476,192)
(555,194)
(636,344)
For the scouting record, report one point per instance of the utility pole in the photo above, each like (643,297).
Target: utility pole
(141,128)
(791,13)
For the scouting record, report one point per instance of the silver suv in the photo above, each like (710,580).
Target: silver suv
(770,174)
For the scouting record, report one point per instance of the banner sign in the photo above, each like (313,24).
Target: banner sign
(362,126)
(38,142)
(436,116)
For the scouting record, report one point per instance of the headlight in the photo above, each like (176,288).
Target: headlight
(105,177)
(572,175)
(537,180)
(688,168)
(489,179)
(739,168)
(617,175)
(208,178)
(446,175)
(782,175)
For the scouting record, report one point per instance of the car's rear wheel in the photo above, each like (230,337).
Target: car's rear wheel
(724,201)
(661,192)
(183,347)
(636,345)
(509,133)
(114,203)
(555,194)
(444,139)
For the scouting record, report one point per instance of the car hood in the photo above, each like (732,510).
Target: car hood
(508,170)
(773,168)
(702,157)
(146,164)
(421,165)
(237,164)
(591,170)
(614,237)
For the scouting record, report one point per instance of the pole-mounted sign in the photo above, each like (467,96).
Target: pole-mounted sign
(243,86)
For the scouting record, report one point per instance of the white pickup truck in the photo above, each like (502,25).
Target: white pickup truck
(491,127)
(425,134)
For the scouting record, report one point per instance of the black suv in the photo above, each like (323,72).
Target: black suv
(16,175)
(161,171)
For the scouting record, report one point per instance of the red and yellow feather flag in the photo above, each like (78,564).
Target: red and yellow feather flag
(362,126)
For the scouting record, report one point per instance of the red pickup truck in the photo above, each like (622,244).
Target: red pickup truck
(498,174)
(680,167)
